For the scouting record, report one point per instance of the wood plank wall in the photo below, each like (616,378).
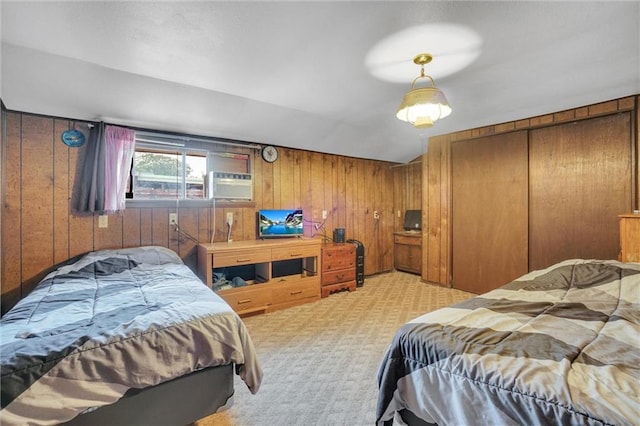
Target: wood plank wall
(39,230)
(436,202)
(437,176)
(407,190)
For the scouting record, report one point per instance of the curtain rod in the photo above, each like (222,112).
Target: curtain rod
(185,137)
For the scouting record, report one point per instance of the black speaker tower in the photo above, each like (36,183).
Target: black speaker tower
(359,262)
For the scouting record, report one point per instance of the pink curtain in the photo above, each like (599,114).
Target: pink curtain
(119,149)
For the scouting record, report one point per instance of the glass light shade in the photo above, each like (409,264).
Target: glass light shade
(422,107)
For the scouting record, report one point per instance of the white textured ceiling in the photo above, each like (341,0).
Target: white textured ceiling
(298,74)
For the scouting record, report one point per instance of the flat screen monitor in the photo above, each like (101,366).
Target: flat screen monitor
(280,223)
(413,220)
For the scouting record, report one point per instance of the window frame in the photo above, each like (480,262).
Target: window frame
(183,145)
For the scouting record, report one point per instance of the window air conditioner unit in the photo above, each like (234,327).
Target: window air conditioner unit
(229,185)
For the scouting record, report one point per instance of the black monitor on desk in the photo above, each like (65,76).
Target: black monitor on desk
(413,220)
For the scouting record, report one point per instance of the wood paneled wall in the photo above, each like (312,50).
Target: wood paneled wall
(436,205)
(437,175)
(407,190)
(39,230)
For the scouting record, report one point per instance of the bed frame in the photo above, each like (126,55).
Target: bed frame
(180,401)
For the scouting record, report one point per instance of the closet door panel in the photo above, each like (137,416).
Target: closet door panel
(580,181)
(489,211)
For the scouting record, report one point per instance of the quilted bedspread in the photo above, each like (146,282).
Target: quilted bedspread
(559,346)
(111,321)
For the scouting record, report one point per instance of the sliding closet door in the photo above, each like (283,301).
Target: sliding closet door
(580,181)
(489,211)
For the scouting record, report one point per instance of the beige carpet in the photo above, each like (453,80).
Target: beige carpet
(320,359)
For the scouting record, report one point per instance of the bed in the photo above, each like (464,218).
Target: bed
(556,346)
(122,336)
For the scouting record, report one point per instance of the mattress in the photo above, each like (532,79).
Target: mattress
(556,346)
(108,322)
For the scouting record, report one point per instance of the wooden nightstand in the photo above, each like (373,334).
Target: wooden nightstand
(338,268)
(408,251)
(630,237)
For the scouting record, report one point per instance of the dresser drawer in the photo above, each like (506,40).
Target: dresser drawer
(330,263)
(340,257)
(339,250)
(247,298)
(240,257)
(285,292)
(338,276)
(286,253)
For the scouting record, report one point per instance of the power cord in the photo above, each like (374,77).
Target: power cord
(177,229)
(317,227)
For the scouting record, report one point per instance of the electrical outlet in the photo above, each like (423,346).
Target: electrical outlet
(376,215)
(173,218)
(324,214)
(103,221)
(229,219)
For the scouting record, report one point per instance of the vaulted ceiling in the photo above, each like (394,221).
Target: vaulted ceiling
(322,76)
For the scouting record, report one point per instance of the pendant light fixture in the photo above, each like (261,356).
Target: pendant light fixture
(423,106)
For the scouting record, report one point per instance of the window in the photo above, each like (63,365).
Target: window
(162,174)
(169,167)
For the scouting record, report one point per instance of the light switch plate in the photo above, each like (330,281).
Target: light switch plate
(103,221)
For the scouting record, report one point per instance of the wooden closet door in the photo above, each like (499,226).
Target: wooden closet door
(489,211)
(580,181)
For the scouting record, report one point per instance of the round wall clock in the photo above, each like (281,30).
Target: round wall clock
(73,138)
(269,154)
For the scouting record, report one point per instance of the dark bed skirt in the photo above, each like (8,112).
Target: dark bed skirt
(179,401)
(412,420)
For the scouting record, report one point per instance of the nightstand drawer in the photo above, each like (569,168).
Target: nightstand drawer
(409,240)
(339,257)
(240,257)
(338,276)
(339,250)
(333,264)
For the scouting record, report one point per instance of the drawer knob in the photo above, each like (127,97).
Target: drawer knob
(240,302)
(243,260)
(295,292)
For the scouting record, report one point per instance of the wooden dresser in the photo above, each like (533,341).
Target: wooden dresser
(338,268)
(276,273)
(407,247)
(630,237)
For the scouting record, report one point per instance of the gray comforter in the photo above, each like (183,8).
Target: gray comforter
(111,321)
(560,346)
